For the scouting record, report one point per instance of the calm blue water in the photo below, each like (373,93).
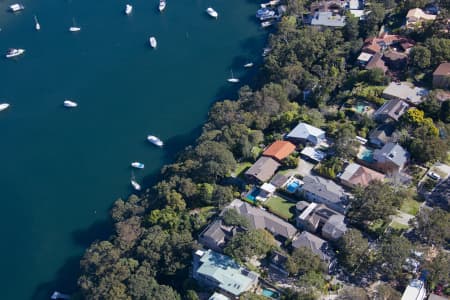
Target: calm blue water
(61,170)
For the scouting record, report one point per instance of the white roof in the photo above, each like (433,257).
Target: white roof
(353,4)
(406,91)
(364,56)
(304,130)
(268,187)
(358,13)
(308,210)
(317,155)
(414,291)
(218,296)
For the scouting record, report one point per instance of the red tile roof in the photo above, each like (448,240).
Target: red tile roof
(279,150)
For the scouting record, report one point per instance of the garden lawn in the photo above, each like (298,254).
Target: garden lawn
(280,207)
(241,168)
(398,226)
(410,206)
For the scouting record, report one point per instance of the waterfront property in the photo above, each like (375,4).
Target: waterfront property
(216,235)
(328,19)
(279,150)
(263,169)
(217,270)
(261,219)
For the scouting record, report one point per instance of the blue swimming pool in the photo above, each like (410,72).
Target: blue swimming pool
(252,195)
(270,293)
(360,108)
(292,187)
(367,155)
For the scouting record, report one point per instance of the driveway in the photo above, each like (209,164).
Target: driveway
(304,168)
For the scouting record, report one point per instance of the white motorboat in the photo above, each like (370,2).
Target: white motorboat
(248,65)
(153,42)
(70,103)
(210,11)
(232,79)
(135,185)
(13,52)
(4,106)
(162,5)
(74,28)
(16,7)
(266,51)
(155,141)
(37,25)
(266,24)
(58,295)
(137,165)
(128,9)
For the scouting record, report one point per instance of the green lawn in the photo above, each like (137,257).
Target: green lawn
(279,206)
(410,206)
(242,167)
(398,226)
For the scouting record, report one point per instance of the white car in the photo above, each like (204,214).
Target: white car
(434,175)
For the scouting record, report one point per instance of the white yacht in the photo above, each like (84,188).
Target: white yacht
(128,9)
(155,141)
(232,79)
(210,11)
(37,25)
(4,106)
(58,295)
(137,165)
(135,185)
(16,7)
(70,103)
(248,65)
(162,5)
(13,52)
(74,28)
(153,42)
(266,24)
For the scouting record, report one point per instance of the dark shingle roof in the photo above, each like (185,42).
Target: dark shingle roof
(263,168)
(312,242)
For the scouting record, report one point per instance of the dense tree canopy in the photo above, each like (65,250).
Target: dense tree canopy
(433,226)
(253,243)
(352,249)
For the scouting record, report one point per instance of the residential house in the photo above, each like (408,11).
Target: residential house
(279,150)
(382,135)
(318,218)
(262,219)
(263,169)
(314,243)
(279,180)
(440,195)
(321,190)
(415,290)
(278,262)
(216,235)
(378,44)
(441,76)
(376,62)
(305,133)
(364,58)
(356,175)
(391,110)
(327,6)
(328,19)
(436,297)
(395,60)
(416,16)
(266,190)
(218,296)
(313,155)
(222,272)
(392,158)
(405,91)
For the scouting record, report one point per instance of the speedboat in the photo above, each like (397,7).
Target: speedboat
(74,29)
(266,24)
(37,25)
(153,42)
(58,295)
(4,106)
(210,11)
(248,65)
(128,9)
(135,185)
(162,5)
(264,12)
(155,141)
(13,52)
(16,7)
(266,51)
(232,79)
(70,104)
(137,165)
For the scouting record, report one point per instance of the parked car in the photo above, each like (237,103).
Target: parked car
(433,175)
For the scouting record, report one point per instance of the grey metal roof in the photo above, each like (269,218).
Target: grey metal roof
(305,131)
(392,152)
(313,242)
(261,219)
(334,227)
(383,133)
(278,180)
(263,168)
(393,109)
(214,231)
(327,19)
(324,188)
(405,91)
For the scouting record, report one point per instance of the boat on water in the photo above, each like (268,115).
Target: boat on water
(16,7)
(13,52)
(248,65)
(210,11)
(266,51)
(270,3)
(162,5)
(232,79)
(266,24)
(153,42)
(265,13)
(155,141)
(37,26)
(137,165)
(128,9)
(58,295)
(74,27)
(70,103)
(135,185)
(4,106)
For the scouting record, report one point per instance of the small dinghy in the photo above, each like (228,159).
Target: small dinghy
(70,103)
(137,165)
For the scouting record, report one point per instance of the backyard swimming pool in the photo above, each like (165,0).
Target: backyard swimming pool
(293,186)
(367,155)
(270,293)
